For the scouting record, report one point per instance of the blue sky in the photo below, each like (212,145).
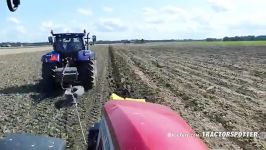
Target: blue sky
(119,19)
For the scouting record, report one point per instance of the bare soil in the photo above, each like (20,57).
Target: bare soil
(24,108)
(6,51)
(213,88)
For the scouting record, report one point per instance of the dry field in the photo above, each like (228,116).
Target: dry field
(8,51)
(214,88)
(25,108)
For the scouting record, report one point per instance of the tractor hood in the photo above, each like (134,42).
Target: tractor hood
(140,125)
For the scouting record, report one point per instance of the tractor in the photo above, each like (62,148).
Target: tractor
(70,63)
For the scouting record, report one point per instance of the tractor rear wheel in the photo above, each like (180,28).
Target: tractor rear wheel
(48,83)
(87,74)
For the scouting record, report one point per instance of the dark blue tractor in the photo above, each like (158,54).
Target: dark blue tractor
(70,63)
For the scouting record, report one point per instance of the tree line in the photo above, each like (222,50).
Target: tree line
(240,38)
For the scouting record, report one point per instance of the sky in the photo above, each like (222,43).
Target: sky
(135,19)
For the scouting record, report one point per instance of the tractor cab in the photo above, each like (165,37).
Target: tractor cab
(67,43)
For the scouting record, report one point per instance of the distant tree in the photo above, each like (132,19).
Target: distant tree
(260,38)
(245,38)
(212,39)
(226,39)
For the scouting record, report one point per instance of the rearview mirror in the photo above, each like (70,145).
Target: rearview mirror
(94,39)
(50,39)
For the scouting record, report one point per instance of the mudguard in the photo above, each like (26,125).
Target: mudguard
(86,55)
(51,57)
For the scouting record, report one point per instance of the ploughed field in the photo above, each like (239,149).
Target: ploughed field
(25,108)
(214,88)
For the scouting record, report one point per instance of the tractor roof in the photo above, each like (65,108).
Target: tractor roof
(69,34)
(138,125)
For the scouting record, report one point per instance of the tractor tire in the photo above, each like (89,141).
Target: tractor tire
(87,74)
(48,82)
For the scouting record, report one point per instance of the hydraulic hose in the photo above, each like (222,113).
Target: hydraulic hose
(13,4)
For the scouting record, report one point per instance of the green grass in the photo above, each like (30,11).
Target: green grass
(229,43)
(216,43)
